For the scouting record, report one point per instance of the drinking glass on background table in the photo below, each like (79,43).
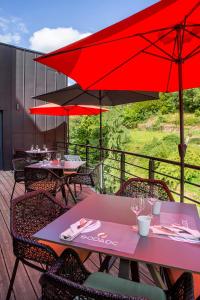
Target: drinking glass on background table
(58,157)
(48,156)
(44,147)
(32,147)
(137,205)
(37,148)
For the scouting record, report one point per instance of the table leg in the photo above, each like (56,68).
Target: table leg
(124,268)
(135,271)
(156,276)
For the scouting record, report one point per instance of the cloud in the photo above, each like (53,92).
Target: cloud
(10,38)
(12,30)
(49,39)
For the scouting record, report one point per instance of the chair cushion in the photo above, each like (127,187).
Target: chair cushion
(44,185)
(174,274)
(83,254)
(68,173)
(106,282)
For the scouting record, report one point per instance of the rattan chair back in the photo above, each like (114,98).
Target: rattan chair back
(135,187)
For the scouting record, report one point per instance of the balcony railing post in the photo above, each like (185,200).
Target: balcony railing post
(122,168)
(87,149)
(75,150)
(151,168)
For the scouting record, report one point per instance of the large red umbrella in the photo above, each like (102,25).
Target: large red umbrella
(52,109)
(156,49)
(140,52)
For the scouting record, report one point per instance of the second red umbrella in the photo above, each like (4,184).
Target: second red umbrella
(52,109)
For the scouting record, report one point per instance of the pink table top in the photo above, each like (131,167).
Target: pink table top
(70,165)
(151,249)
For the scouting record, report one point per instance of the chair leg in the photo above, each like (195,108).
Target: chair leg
(71,193)
(105,264)
(13,191)
(64,194)
(75,190)
(12,279)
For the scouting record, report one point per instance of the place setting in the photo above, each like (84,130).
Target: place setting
(107,235)
(157,223)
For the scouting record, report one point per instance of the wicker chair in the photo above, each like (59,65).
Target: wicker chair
(44,179)
(85,176)
(68,279)
(134,187)
(70,157)
(30,213)
(19,165)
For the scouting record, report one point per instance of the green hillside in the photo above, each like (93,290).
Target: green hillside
(149,128)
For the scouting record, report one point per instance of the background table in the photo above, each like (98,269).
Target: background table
(57,166)
(151,250)
(39,155)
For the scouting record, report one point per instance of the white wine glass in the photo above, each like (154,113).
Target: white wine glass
(48,156)
(58,157)
(137,205)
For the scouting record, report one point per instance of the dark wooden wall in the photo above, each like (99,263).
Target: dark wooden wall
(20,79)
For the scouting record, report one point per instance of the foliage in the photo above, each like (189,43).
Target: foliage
(120,132)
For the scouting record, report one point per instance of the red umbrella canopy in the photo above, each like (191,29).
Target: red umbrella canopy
(68,110)
(140,52)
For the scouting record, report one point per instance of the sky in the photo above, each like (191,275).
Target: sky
(47,25)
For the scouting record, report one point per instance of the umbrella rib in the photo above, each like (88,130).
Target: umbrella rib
(192,10)
(192,33)
(68,101)
(193,53)
(170,68)
(102,43)
(159,48)
(160,56)
(126,61)
(77,96)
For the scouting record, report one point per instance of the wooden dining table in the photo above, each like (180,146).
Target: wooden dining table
(116,217)
(59,166)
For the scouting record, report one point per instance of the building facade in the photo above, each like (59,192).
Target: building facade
(20,79)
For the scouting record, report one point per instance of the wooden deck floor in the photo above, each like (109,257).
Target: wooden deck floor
(26,283)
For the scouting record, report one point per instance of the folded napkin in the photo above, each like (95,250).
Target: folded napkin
(75,229)
(176,231)
(180,239)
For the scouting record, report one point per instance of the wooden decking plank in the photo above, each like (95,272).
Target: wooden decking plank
(4,279)
(32,274)
(22,283)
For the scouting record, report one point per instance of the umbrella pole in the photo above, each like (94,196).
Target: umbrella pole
(100,127)
(101,144)
(67,134)
(182,146)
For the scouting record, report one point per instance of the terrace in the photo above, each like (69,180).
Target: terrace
(81,221)
(27,279)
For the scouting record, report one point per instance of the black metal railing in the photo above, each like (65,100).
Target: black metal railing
(120,165)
